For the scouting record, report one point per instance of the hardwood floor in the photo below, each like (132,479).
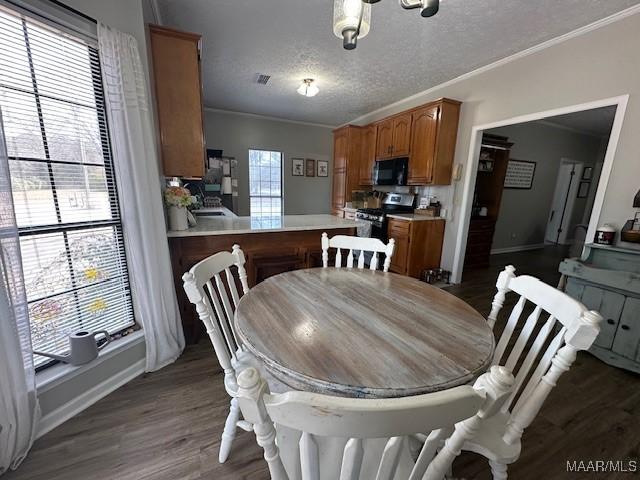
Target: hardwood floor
(167,425)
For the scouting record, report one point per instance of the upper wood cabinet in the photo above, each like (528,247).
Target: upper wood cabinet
(423,146)
(433,142)
(347,151)
(368,159)
(401,135)
(178,88)
(384,141)
(394,137)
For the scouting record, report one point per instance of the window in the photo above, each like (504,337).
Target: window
(63,185)
(265,183)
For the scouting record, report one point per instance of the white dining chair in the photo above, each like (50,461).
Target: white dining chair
(209,290)
(549,339)
(361,244)
(354,421)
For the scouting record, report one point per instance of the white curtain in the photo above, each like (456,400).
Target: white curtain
(19,410)
(138,179)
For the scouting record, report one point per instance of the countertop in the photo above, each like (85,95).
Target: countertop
(412,217)
(285,223)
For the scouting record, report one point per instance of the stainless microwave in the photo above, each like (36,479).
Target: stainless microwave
(391,172)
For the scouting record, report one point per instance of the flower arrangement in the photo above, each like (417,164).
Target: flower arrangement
(178,197)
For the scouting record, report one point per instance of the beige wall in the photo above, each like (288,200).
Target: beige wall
(235,134)
(523,216)
(600,64)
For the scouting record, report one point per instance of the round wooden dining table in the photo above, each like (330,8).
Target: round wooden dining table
(362,333)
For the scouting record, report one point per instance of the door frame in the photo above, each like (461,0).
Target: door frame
(468,185)
(570,200)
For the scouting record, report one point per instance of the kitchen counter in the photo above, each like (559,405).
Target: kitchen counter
(271,245)
(412,217)
(224,225)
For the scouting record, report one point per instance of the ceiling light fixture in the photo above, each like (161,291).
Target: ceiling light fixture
(308,88)
(352,18)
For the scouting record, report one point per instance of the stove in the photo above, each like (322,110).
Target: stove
(391,203)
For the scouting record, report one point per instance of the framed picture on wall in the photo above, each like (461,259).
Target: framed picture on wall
(519,174)
(310,170)
(583,189)
(297,167)
(323,168)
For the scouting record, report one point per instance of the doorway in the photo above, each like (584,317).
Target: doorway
(562,206)
(586,209)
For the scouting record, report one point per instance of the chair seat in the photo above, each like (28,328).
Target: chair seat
(489,443)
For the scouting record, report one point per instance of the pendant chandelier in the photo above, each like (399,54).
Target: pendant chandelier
(352,18)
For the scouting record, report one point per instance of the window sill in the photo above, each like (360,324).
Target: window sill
(55,375)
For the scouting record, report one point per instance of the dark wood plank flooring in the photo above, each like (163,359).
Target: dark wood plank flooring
(167,425)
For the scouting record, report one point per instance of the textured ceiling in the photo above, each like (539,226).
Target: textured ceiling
(597,121)
(402,55)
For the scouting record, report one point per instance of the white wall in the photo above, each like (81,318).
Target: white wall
(523,216)
(236,133)
(600,64)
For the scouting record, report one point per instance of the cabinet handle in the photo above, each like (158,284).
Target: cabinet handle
(611,321)
(625,327)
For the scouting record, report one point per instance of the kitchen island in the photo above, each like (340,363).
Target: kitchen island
(271,245)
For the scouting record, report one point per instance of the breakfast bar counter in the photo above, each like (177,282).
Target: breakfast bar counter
(271,245)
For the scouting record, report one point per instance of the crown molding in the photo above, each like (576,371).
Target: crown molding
(511,58)
(266,117)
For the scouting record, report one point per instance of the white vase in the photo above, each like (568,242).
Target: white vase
(178,218)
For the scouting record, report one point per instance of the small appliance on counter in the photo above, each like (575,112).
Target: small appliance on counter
(429,207)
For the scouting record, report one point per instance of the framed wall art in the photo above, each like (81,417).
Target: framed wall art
(310,170)
(519,174)
(323,168)
(297,167)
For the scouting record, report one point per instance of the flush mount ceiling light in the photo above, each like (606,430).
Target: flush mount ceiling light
(308,88)
(352,18)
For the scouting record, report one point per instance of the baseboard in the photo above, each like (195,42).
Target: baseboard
(518,248)
(88,398)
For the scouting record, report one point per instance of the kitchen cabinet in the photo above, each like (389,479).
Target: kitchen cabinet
(384,140)
(178,92)
(606,280)
(266,254)
(418,245)
(368,159)
(401,136)
(434,131)
(347,152)
(394,137)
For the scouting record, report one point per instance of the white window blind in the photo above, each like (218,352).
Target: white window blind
(265,183)
(63,184)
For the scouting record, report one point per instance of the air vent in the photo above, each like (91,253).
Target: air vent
(262,79)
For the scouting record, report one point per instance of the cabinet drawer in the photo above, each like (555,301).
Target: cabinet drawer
(399,227)
(627,335)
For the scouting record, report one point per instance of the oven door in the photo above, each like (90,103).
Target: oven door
(384,172)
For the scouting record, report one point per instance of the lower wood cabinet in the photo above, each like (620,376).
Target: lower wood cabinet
(266,254)
(479,241)
(418,245)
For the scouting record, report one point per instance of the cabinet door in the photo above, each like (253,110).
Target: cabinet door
(628,333)
(609,304)
(401,136)
(339,188)
(176,66)
(399,230)
(384,142)
(340,149)
(368,160)
(423,146)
